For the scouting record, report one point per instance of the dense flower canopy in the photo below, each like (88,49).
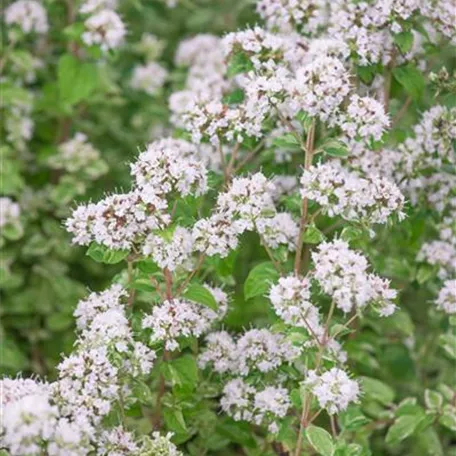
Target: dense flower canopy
(262,197)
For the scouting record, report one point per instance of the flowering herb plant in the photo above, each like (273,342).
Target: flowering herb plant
(274,265)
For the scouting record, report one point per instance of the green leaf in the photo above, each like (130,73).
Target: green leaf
(448,343)
(12,357)
(428,443)
(260,280)
(59,321)
(287,141)
(185,371)
(409,77)
(239,63)
(351,233)
(147,266)
(448,419)
(76,80)
(237,431)
(37,245)
(174,420)
(13,231)
(367,73)
(335,148)
(403,427)
(433,399)
(102,254)
(377,390)
(235,97)
(320,440)
(353,418)
(313,235)
(404,41)
(200,294)
(143,393)
(305,119)
(424,273)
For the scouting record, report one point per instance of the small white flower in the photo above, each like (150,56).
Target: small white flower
(333,389)
(447,297)
(29,15)
(149,78)
(105,29)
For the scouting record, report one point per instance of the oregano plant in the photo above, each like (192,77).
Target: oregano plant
(260,197)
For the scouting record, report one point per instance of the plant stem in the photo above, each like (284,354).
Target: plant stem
(352,319)
(305,204)
(156,419)
(271,256)
(234,154)
(131,292)
(305,421)
(401,112)
(249,157)
(169,283)
(192,274)
(332,420)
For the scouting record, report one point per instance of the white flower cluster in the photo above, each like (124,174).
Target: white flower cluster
(256,350)
(328,47)
(92,6)
(446,300)
(149,78)
(265,50)
(333,389)
(204,114)
(116,442)
(368,27)
(78,155)
(87,387)
(441,14)
(339,191)
(89,381)
(342,274)
(117,222)
(29,15)
(159,445)
(242,401)
(285,15)
(173,252)
(203,55)
(440,253)
(278,230)
(419,164)
(216,120)
(150,46)
(34,423)
(263,350)
(96,304)
(320,87)
(176,318)
(247,205)
(219,353)
(104,27)
(215,235)
(205,82)
(19,125)
(290,298)
(247,200)
(9,212)
(432,144)
(169,165)
(13,390)
(364,119)
(31,419)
